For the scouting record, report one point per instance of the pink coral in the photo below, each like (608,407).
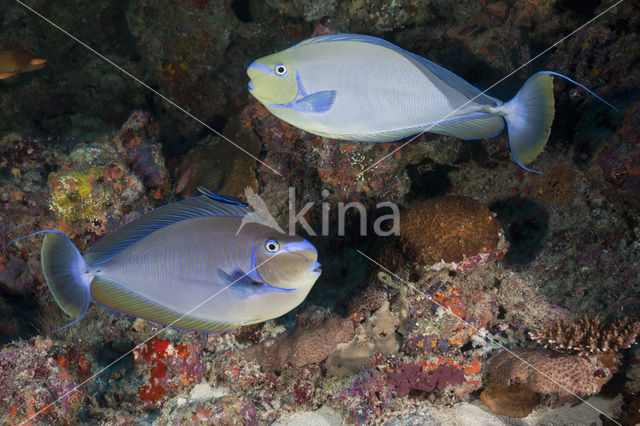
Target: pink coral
(410,376)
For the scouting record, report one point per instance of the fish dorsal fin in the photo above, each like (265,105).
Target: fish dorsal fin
(348,37)
(208,204)
(451,79)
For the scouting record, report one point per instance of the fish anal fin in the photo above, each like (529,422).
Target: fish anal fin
(114,296)
(479,125)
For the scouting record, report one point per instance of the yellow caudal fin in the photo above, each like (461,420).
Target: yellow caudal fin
(529,118)
(67,273)
(530,114)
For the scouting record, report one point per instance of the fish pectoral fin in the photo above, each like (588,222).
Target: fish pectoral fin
(243,290)
(240,285)
(317,102)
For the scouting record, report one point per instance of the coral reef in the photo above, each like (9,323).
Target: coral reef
(412,377)
(376,335)
(98,182)
(448,229)
(545,372)
(587,336)
(167,368)
(221,167)
(315,336)
(40,378)
(573,231)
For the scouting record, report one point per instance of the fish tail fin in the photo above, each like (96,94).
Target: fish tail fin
(529,117)
(530,114)
(68,275)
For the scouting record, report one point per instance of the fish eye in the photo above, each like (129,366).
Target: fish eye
(280,69)
(272,245)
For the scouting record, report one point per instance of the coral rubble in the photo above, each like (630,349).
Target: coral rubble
(40,379)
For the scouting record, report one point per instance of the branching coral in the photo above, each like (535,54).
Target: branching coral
(582,358)
(587,336)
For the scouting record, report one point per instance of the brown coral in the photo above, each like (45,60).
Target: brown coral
(512,401)
(542,371)
(315,336)
(551,373)
(587,336)
(448,229)
(369,300)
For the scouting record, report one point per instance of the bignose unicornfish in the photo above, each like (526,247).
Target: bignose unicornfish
(197,264)
(362,88)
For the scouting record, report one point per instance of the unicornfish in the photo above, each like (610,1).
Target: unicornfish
(362,88)
(186,265)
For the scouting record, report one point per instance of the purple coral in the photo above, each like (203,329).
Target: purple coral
(410,376)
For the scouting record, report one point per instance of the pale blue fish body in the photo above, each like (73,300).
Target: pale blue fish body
(381,94)
(192,265)
(362,88)
(182,265)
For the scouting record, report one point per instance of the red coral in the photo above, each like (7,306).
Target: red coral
(170,367)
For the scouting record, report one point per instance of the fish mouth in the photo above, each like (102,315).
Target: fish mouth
(315,268)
